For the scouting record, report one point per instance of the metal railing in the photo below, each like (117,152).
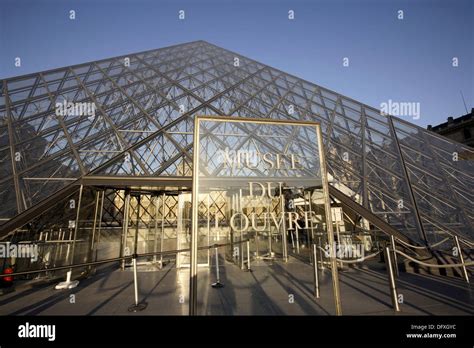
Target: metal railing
(138,306)
(391,260)
(456,242)
(390,253)
(420,246)
(115,259)
(393,251)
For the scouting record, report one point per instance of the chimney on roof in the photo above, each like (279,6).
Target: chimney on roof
(450,119)
(430,127)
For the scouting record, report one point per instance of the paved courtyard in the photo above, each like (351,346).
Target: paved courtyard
(270,289)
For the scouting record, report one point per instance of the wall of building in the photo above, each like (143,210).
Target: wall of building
(459,129)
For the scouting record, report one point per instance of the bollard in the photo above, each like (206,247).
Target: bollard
(315,269)
(218,283)
(391,279)
(136,307)
(68,284)
(320,254)
(395,259)
(461,258)
(248,257)
(241,254)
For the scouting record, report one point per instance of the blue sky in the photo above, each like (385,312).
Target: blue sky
(407,60)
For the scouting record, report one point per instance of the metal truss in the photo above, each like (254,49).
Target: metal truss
(416,181)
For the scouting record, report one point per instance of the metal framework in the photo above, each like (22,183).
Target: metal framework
(416,181)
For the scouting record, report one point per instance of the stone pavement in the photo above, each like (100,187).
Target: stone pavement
(273,288)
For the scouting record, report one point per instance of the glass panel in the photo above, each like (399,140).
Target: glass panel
(124,164)
(269,176)
(7,201)
(441,176)
(42,181)
(440,171)
(5,163)
(40,147)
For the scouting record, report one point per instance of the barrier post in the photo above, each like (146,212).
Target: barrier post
(461,258)
(315,270)
(391,279)
(395,259)
(248,256)
(136,307)
(218,283)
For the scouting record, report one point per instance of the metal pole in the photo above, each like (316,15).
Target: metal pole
(315,270)
(208,226)
(283,225)
(193,273)
(217,265)
(311,216)
(126,210)
(248,256)
(320,252)
(327,205)
(135,244)
(218,283)
(135,280)
(68,249)
(461,258)
(233,211)
(100,225)
(136,307)
(241,210)
(309,240)
(406,176)
(57,248)
(76,227)
(163,206)
(395,259)
(155,246)
(391,279)
(297,236)
(94,225)
(341,264)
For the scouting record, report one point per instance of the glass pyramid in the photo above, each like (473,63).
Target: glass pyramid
(420,183)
